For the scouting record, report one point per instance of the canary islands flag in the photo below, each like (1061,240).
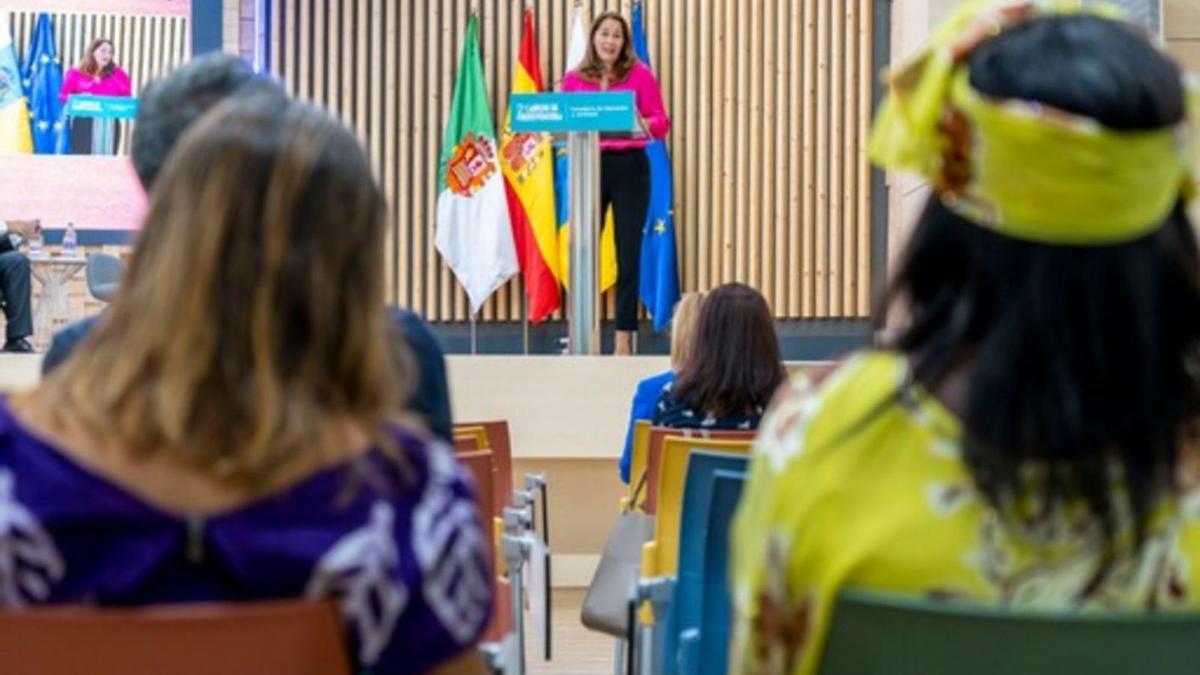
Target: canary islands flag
(15,135)
(658,277)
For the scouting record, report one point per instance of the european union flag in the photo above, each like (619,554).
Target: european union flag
(659,274)
(42,76)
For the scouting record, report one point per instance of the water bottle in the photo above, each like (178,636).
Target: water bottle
(70,241)
(35,243)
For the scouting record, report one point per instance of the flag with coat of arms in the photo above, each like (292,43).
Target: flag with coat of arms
(473,234)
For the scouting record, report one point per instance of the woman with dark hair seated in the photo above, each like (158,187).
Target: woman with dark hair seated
(228,432)
(1025,439)
(732,369)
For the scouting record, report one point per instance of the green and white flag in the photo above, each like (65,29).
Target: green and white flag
(474,233)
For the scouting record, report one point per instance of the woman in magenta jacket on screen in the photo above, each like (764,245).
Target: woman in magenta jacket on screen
(97,75)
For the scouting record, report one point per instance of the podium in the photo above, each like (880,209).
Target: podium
(104,112)
(584,117)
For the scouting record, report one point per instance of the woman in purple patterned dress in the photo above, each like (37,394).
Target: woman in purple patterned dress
(229,433)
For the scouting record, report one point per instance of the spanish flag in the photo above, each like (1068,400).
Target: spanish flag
(15,134)
(527,161)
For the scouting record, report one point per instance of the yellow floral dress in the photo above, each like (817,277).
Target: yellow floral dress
(854,485)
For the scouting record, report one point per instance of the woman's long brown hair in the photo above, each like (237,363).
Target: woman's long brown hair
(89,65)
(592,68)
(251,319)
(734,365)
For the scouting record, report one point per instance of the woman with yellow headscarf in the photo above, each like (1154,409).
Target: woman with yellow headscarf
(1023,440)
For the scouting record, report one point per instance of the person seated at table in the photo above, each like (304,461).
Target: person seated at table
(16,285)
(1027,439)
(230,433)
(96,75)
(645,397)
(170,106)
(732,368)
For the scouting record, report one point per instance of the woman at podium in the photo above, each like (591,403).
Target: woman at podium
(96,75)
(611,65)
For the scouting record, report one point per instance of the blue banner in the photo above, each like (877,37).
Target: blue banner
(42,76)
(659,272)
(556,112)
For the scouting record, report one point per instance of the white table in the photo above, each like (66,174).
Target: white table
(52,312)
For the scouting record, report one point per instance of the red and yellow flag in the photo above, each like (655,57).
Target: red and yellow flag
(527,161)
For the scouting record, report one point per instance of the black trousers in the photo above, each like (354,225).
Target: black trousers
(14,291)
(625,184)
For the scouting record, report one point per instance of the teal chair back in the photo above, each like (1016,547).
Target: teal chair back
(698,532)
(716,605)
(877,634)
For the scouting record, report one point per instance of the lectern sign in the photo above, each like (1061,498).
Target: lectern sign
(574,112)
(102,107)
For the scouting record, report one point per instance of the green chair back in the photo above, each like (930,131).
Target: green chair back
(877,634)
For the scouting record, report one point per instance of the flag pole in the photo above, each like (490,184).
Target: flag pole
(474,335)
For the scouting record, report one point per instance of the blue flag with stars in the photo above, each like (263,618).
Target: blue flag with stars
(659,274)
(42,76)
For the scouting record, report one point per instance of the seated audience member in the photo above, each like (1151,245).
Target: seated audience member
(646,395)
(168,107)
(229,431)
(1027,439)
(16,285)
(732,368)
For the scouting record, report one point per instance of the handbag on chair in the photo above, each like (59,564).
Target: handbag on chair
(606,605)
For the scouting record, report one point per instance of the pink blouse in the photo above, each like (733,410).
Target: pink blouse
(76,82)
(648,97)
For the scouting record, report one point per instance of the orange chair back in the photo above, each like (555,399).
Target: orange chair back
(497,438)
(281,638)
(654,459)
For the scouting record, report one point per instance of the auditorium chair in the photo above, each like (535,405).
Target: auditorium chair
(876,634)
(480,463)
(639,453)
(496,437)
(660,557)
(470,437)
(281,638)
(658,438)
(702,596)
(103,275)
(468,443)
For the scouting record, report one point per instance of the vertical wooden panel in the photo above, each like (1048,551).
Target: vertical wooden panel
(738,221)
(755,197)
(835,158)
(405,225)
(822,159)
(866,27)
(729,58)
(849,159)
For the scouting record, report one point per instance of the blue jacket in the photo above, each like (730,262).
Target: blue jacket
(644,400)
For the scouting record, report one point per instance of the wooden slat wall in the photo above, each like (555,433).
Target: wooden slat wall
(146,46)
(770,100)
